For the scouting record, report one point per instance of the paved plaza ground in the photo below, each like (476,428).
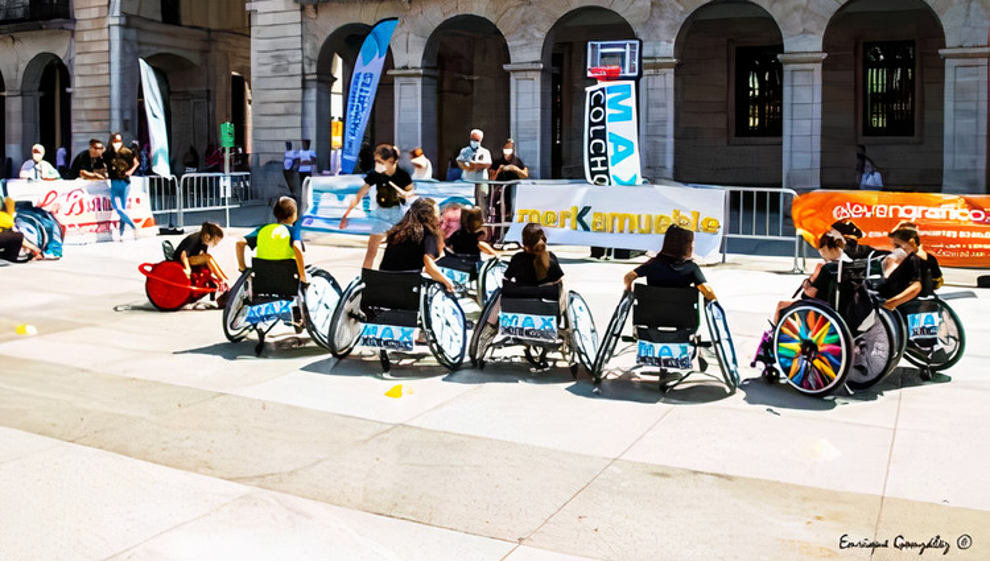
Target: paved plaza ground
(131,434)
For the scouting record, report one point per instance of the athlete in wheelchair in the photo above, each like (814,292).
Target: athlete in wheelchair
(533,310)
(666,318)
(278,289)
(462,262)
(383,309)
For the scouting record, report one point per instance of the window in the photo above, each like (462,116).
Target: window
(758,91)
(888,81)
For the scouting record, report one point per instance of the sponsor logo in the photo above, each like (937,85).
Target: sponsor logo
(389,337)
(455,276)
(525,326)
(270,311)
(664,355)
(951,212)
(587,220)
(924,325)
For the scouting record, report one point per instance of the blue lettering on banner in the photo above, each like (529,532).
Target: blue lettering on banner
(270,311)
(664,355)
(619,96)
(529,327)
(388,337)
(924,325)
(622,147)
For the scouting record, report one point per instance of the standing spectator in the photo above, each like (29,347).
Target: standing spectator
(191,160)
(288,165)
(453,170)
(144,156)
(89,163)
(867,174)
(121,163)
(307,161)
(37,168)
(61,160)
(474,161)
(136,150)
(422,167)
(507,167)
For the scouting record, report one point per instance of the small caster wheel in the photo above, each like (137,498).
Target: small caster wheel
(386,363)
(574,371)
(927,374)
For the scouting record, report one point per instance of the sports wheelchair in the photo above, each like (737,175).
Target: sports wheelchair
(472,278)
(933,334)
(167,286)
(269,293)
(531,317)
(383,310)
(665,334)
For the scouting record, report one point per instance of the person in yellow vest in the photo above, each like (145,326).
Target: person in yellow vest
(278,241)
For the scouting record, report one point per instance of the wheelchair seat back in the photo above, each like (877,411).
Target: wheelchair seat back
(274,288)
(847,293)
(391,298)
(530,312)
(665,321)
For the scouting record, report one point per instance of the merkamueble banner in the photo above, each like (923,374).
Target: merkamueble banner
(611,138)
(621,216)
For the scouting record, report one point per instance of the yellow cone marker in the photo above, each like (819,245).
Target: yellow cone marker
(25,329)
(395,392)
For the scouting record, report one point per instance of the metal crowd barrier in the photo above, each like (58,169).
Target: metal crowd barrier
(199,192)
(758,213)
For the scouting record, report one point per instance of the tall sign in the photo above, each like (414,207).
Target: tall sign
(611,132)
(154,108)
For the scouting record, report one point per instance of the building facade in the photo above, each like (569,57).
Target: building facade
(741,92)
(69,72)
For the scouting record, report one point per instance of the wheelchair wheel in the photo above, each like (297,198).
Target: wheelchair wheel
(876,351)
(235,311)
(896,323)
(166,286)
(725,351)
(490,279)
(612,335)
(346,325)
(484,332)
(444,324)
(319,302)
(951,343)
(813,348)
(584,336)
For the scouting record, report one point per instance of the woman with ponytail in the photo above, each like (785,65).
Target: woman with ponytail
(535,265)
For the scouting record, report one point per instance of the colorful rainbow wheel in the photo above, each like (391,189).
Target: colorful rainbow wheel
(813,348)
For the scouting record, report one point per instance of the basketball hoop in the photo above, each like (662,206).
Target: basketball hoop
(604,73)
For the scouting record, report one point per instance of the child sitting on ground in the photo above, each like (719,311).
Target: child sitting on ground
(276,242)
(193,251)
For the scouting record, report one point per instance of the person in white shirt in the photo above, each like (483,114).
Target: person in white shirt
(37,168)
(307,161)
(422,167)
(475,160)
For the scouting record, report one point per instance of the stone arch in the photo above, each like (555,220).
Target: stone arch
(47,105)
(467,54)
(728,91)
(563,57)
(857,114)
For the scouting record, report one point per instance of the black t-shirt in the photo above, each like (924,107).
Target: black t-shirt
(670,272)
(857,250)
(118,162)
(83,161)
(827,277)
(511,161)
(522,270)
(193,245)
(463,242)
(385,194)
(930,273)
(907,272)
(408,255)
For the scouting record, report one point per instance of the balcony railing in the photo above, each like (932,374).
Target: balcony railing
(12,11)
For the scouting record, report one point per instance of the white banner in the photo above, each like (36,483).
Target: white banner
(611,137)
(157,130)
(84,207)
(620,216)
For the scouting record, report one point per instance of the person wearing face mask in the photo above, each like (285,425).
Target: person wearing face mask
(393,187)
(121,164)
(37,168)
(474,160)
(507,167)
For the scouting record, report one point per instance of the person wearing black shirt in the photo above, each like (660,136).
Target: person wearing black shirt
(121,163)
(506,167)
(467,243)
(673,267)
(831,246)
(415,242)
(909,271)
(393,186)
(89,163)
(535,265)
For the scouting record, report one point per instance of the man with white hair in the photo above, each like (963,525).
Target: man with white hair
(37,168)
(475,160)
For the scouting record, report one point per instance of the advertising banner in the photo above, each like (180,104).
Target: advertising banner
(84,207)
(157,129)
(955,228)
(327,198)
(621,217)
(611,138)
(364,85)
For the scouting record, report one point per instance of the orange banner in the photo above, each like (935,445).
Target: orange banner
(956,228)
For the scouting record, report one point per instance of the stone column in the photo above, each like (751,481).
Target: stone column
(415,102)
(802,107)
(965,144)
(528,111)
(15,130)
(656,118)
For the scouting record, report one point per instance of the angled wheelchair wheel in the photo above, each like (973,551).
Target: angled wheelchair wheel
(490,279)
(950,342)
(235,326)
(725,351)
(346,324)
(612,335)
(813,348)
(584,336)
(484,332)
(444,324)
(875,353)
(896,323)
(33,229)
(320,300)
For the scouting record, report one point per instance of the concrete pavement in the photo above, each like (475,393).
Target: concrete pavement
(135,434)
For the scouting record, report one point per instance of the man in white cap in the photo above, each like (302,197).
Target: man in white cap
(37,168)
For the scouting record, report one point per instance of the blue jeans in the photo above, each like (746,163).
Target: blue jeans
(118,198)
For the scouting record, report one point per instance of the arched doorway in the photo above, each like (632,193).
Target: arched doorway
(334,68)
(472,86)
(189,111)
(883,90)
(47,105)
(728,92)
(564,57)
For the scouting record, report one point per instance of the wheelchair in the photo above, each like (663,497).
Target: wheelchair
(166,284)
(531,317)
(269,294)
(934,335)
(665,334)
(472,278)
(383,309)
